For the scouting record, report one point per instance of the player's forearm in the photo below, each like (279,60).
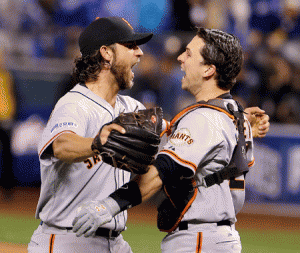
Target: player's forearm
(138,190)
(149,183)
(72,148)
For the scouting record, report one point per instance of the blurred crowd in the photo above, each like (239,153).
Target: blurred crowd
(38,38)
(269,31)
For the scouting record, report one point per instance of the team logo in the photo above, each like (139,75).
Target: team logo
(153,119)
(127,23)
(181,137)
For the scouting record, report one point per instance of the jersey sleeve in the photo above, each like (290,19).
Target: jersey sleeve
(196,140)
(66,118)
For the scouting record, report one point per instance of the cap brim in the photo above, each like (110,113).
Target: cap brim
(139,38)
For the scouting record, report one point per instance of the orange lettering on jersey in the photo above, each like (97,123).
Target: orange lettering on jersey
(88,163)
(190,141)
(181,137)
(96,159)
(92,161)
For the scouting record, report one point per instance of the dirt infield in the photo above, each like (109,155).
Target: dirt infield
(12,248)
(24,202)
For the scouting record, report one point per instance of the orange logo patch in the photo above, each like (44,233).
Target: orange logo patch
(181,137)
(153,119)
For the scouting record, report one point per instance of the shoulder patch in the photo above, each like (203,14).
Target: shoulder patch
(181,137)
(63,125)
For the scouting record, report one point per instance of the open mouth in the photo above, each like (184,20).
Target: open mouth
(183,73)
(132,74)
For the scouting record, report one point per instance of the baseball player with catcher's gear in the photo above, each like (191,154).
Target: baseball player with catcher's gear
(207,151)
(71,172)
(77,145)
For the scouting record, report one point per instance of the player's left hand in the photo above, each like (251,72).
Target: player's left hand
(259,121)
(93,214)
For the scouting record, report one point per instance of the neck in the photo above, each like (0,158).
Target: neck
(105,87)
(210,91)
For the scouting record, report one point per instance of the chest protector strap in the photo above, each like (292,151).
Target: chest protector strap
(182,193)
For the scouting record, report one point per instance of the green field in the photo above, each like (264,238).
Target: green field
(146,238)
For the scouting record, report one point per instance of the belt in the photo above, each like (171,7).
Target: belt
(104,232)
(184,224)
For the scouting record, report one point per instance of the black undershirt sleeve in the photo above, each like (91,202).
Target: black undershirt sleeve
(169,170)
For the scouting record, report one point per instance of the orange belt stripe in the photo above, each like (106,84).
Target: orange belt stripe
(52,238)
(199,242)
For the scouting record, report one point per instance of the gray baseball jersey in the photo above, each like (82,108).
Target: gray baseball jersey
(237,186)
(203,142)
(66,186)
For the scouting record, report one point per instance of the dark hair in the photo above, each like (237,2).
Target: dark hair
(87,68)
(225,52)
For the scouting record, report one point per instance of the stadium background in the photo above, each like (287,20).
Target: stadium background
(38,47)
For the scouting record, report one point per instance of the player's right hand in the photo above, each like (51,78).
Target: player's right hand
(106,130)
(90,216)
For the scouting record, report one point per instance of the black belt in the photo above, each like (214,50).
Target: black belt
(184,224)
(105,232)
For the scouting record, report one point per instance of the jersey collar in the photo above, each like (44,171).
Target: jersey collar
(225,96)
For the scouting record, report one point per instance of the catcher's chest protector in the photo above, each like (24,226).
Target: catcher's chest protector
(182,193)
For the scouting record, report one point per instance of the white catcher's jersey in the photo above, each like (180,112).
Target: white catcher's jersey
(65,186)
(203,142)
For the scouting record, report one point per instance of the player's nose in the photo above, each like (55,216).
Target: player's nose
(138,51)
(180,58)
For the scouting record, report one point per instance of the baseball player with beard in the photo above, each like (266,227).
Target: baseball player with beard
(70,172)
(200,141)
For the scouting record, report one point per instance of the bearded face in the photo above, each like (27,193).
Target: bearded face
(125,57)
(123,74)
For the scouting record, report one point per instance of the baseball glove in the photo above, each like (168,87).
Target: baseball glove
(135,150)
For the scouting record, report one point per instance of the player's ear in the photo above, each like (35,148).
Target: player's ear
(106,53)
(209,71)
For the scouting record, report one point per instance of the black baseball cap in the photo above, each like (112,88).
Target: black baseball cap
(107,31)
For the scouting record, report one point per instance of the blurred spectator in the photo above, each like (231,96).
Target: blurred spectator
(181,15)
(265,15)
(65,85)
(290,17)
(7,116)
(147,81)
(238,19)
(269,31)
(217,14)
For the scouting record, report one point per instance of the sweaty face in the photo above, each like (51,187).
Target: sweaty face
(126,57)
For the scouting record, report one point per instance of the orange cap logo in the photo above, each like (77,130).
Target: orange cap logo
(127,23)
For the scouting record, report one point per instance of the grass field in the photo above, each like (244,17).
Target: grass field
(145,238)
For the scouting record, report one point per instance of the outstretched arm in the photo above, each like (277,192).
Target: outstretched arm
(259,121)
(70,147)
